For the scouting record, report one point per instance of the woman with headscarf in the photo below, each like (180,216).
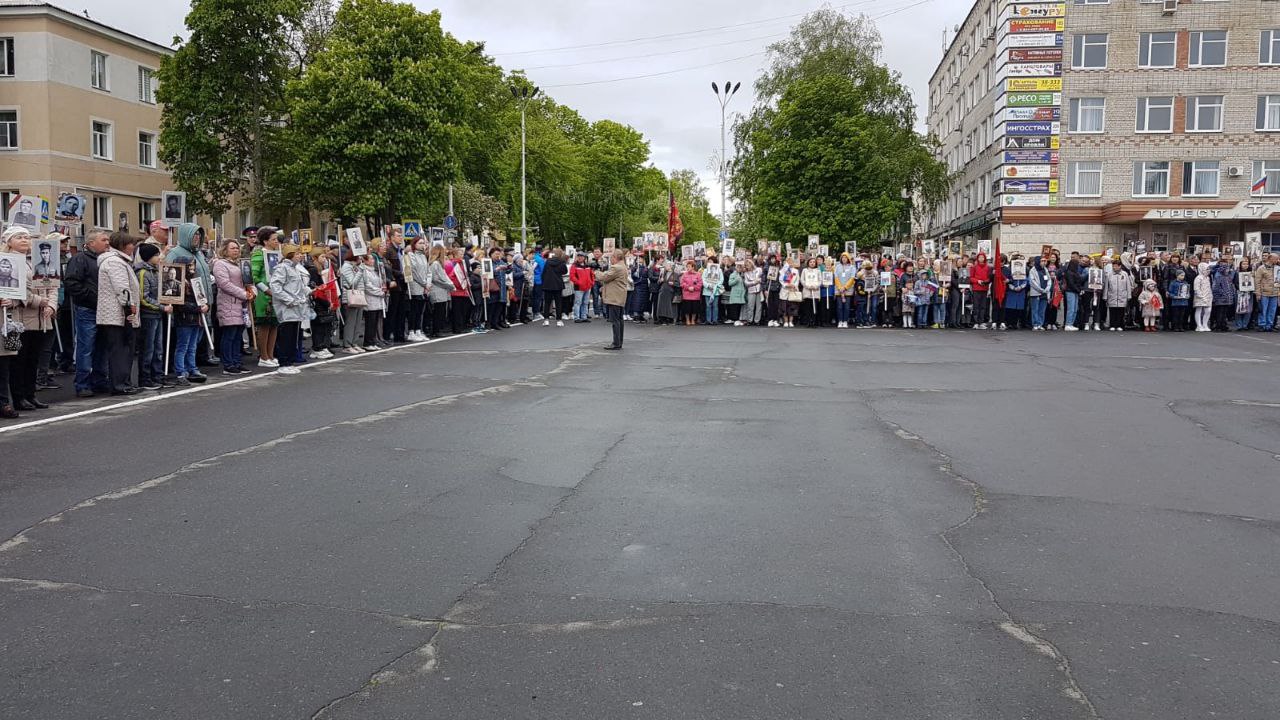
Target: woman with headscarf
(35,313)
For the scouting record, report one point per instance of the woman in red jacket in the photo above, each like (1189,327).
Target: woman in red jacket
(583,279)
(980,278)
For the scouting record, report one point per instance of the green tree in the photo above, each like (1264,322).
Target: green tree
(222,96)
(829,147)
(375,118)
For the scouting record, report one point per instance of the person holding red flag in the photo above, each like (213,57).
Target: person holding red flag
(999,286)
(675,228)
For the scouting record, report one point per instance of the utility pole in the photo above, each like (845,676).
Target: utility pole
(723,97)
(523,94)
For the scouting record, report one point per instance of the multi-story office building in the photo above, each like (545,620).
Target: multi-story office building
(1097,124)
(78,114)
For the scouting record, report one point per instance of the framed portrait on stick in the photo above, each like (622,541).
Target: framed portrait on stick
(1018,268)
(13,276)
(355,241)
(175,207)
(173,284)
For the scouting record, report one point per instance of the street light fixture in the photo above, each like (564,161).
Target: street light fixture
(523,94)
(724,96)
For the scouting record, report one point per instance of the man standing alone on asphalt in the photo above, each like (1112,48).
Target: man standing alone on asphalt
(613,288)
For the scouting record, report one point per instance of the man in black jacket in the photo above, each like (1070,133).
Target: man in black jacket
(81,286)
(1074,281)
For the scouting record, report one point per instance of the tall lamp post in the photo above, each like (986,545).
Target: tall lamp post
(523,94)
(724,96)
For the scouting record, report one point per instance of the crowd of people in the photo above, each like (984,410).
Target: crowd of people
(116,324)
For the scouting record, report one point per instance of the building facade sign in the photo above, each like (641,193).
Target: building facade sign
(1247,210)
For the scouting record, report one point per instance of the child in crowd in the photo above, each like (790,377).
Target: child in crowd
(1179,302)
(151,344)
(1149,300)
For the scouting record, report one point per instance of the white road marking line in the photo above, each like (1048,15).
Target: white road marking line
(225,383)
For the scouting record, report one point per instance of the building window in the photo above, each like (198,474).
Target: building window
(1158,49)
(1084,179)
(1089,51)
(147,85)
(6,57)
(101,140)
(97,70)
(102,211)
(1155,115)
(1271,242)
(1151,179)
(146,214)
(8,130)
(147,149)
(1208,48)
(1204,113)
(1266,177)
(1088,115)
(1268,49)
(1269,113)
(1200,178)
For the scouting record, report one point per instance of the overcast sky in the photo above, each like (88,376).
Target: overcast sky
(676,111)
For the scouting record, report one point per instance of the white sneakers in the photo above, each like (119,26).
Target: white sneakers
(773,323)
(559,323)
(737,323)
(415,336)
(321,355)
(288,370)
(1070,328)
(264,363)
(546,323)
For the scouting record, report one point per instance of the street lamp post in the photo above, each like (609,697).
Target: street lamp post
(523,94)
(724,96)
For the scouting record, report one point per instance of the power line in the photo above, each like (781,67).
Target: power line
(678,34)
(656,54)
(658,74)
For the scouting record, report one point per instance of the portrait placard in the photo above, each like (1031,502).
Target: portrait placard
(828,278)
(610,244)
(871,281)
(927,247)
(1246,282)
(13,276)
(984,247)
(198,295)
(814,240)
(24,211)
(70,207)
(727,246)
(271,258)
(486,268)
(355,241)
(955,248)
(173,284)
(175,208)
(686,252)
(1095,278)
(1018,269)
(851,247)
(304,240)
(46,260)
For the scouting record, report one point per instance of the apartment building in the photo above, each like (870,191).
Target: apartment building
(1125,124)
(78,114)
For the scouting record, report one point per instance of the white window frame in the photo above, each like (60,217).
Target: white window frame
(1076,110)
(1191,168)
(1194,105)
(17,128)
(146,85)
(1146,42)
(99,79)
(1140,173)
(95,218)
(155,143)
(1265,103)
(1266,167)
(1269,47)
(8,57)
(1143,121)
(1196,46)
(146,218)
(1080,45)
(110,139)
(1074,170)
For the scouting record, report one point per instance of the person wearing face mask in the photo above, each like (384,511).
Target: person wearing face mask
(289,293)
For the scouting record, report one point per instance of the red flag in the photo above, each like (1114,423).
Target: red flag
(997,278)
(675,228)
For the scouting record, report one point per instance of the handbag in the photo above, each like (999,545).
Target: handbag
(12,334)
(356,298)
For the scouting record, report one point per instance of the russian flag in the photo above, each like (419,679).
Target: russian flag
(1259,185)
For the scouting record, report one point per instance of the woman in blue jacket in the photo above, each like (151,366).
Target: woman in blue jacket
(1015,300)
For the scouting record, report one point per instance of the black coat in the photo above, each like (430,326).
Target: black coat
(81,279)
(553,275)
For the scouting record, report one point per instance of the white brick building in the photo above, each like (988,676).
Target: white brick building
(1170,114)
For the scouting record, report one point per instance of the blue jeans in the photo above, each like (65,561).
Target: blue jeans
(91,357)
(184,358)
(1267,312)
(597,301)
(1073,306)
(231,347)
(842,308)
(940,314)
(713,311)
(872,309)
(581,299)
(151,354)
(1038,305)
(922,315)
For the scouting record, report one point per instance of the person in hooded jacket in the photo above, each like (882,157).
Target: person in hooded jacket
(1202,294)
(554,271)
(1222,279)
(188,317)
(1039,288)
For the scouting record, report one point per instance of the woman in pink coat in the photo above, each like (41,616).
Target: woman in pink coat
(690,293)
(233,299)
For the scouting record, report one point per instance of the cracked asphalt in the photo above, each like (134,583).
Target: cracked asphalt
(714,523)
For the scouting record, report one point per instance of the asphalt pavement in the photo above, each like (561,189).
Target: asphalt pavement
(731,523)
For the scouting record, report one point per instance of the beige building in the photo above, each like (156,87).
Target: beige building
(78,114)
(1096,124)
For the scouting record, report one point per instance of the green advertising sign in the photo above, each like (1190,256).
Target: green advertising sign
(1033,99)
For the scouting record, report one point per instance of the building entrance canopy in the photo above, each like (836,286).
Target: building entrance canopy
(1246,210)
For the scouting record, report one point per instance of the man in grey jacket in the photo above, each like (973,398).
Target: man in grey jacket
(613,289)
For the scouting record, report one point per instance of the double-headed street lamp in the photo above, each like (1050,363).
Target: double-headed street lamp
(724,96)
(523,94)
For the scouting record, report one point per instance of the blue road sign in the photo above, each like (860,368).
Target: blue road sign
(450,222)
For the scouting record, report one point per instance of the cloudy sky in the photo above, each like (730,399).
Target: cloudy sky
(589,53)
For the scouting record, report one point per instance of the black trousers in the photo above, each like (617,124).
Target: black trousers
(439,316)
(497,311)
(1116,317)
(397,312)
(417,304)
(459,314)
(22,372)
(1177,317)
(614,313)
(551,304)
(1222,317)
(119,342)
